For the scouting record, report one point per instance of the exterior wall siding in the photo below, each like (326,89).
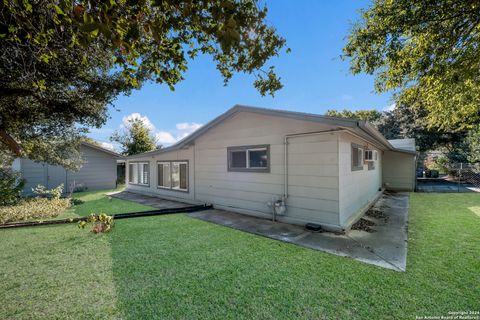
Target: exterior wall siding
(399,171)
(33,173)
(152,189)
(357,188)
(312,165)
(98,172)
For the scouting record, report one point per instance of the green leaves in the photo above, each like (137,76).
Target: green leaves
(136,138)
(426,52)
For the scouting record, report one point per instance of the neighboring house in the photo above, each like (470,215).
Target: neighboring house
(316,169)
(98,172)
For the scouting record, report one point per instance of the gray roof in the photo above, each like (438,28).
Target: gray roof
(359,127)
(94,146)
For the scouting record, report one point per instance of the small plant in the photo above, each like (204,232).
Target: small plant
(101,223)
(11,187)
(76,202)
(43,192)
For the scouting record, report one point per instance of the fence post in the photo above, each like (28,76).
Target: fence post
(459,176)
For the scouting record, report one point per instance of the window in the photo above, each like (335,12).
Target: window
(139,173)
(249,158)
(164,174)
(132,173)
(357,157)
(173,175)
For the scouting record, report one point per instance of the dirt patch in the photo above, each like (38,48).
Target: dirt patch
(364,225)
(377,213)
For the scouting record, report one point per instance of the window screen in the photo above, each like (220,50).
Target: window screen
(238,159)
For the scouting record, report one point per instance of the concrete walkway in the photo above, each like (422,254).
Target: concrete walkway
(385,247)
(148,200)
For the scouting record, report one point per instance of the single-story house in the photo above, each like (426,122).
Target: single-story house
(296,167)
(98,172)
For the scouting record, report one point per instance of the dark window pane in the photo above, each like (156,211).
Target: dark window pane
(130,173)
(160,174)
(183,176)
(258,158)
(238,159)
(355,156)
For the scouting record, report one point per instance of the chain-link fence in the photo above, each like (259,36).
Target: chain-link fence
(465,173)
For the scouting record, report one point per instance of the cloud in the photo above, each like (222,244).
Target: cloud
(182,129)
(390,107)
(188,127)
(347,97)
(108,146)
(126,120)
(164,137)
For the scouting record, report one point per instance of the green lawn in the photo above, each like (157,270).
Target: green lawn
(99,202)
(174,266)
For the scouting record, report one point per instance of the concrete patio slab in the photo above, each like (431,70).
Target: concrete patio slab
(148,200)
(385,247)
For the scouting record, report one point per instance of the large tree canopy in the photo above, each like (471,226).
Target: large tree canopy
(427,52)
(63,62)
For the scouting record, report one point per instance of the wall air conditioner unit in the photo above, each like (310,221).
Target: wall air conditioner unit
(370,155)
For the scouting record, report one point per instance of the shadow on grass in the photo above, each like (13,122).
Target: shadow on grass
(178,267)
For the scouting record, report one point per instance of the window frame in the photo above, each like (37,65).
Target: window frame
(170,163)
(138,165)
(358,148)
(247,150)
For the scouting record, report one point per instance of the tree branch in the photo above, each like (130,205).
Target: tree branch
(13,145)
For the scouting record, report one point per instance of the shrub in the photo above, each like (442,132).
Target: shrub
(33,208)
(11,187)
(43,192)
(101,223)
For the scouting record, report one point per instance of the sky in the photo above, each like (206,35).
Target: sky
(314,76)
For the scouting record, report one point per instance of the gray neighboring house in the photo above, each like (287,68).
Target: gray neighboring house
(304,168)
(98,172)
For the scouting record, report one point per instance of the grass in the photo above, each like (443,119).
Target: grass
(177,267)
(99,202)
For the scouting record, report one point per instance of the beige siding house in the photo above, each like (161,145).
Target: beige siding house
(99,171)
(299,168)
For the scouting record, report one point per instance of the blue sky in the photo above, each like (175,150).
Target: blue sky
(315,78)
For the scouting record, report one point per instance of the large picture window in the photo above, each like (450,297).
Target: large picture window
(173,175)
(139,173)
(357,157)
(249,158)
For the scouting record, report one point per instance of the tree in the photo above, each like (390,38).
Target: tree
(473,142)
(427,53)
(136,138)
(63,62)
(367,115)
(405,122)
